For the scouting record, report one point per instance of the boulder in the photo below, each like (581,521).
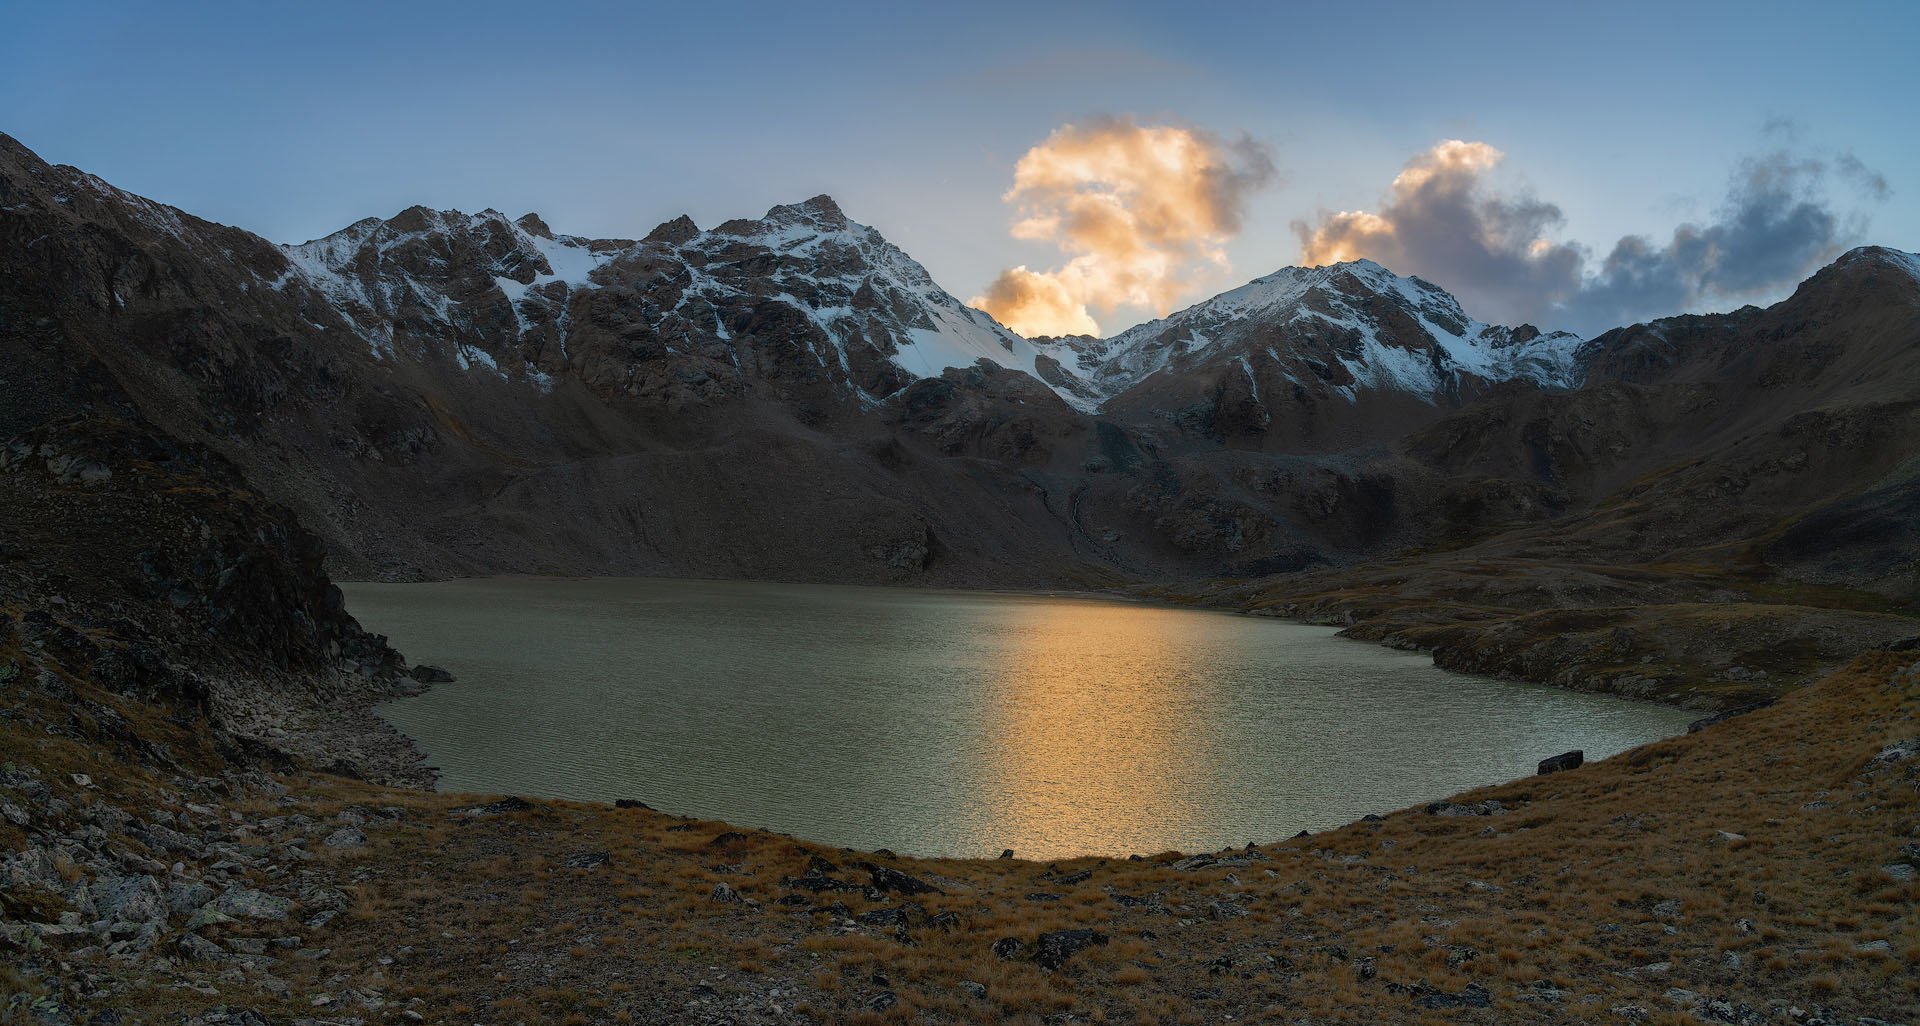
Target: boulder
(251,904)
(887,879)
(499,808)
(1051,950)
(198,949)
(130,899)
(184,897)
(1561,762)
(1726,714)
(346,837)
(426,674)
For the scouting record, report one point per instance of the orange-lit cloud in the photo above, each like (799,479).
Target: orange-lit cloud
(1033,304)
(1142,212)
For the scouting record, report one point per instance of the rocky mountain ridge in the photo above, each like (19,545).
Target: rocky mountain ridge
(1346,327)
(442,394)
(513,298)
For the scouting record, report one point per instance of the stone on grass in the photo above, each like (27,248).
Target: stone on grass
(1051,950)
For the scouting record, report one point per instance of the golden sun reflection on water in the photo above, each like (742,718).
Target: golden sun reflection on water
(953,723)
(1101,741)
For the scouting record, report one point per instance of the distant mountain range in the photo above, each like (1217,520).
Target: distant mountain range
(445,394)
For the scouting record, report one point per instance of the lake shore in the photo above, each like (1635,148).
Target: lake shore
(966,721)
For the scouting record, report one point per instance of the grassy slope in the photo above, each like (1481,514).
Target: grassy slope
(1700,635)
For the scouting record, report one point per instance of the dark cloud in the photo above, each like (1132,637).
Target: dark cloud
(1444,221)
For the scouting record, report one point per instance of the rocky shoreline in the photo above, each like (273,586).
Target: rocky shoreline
(224,893)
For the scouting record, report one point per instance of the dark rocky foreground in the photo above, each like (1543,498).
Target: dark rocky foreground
(1761,870)
(201,824)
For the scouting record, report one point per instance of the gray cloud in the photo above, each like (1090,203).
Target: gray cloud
(1443,221)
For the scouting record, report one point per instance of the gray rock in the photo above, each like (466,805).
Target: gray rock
(1490,807)
(1899,871)
(974,990)
(1899,751)
(130,899)
(1051,950)
(499,808)
(724,894)
(241,903)
(1685,998)
(184,897)
(346,837)
(63,935)
(325,899)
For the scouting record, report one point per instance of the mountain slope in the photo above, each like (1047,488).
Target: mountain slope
(443,394)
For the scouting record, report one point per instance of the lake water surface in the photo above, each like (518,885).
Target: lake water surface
(955,723)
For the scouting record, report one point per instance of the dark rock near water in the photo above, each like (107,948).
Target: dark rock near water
(1724,715)
(887,879)
(499,808)
(426,674)
(1562,762)
(1490,807)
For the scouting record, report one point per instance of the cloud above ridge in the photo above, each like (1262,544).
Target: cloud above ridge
(1142,213)
(1445,219)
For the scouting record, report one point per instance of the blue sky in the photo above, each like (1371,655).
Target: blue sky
(294,120)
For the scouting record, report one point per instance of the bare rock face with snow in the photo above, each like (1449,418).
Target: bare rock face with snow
(1344,329)
(1260,359)
(446,394)
(800,303)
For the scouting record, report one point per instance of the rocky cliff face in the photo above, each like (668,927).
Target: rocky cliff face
(141,572)
(793,397)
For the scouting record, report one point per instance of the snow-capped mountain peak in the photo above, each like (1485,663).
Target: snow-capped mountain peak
(1343,328)
(508,294)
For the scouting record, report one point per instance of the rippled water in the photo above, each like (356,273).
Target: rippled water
(955,723)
